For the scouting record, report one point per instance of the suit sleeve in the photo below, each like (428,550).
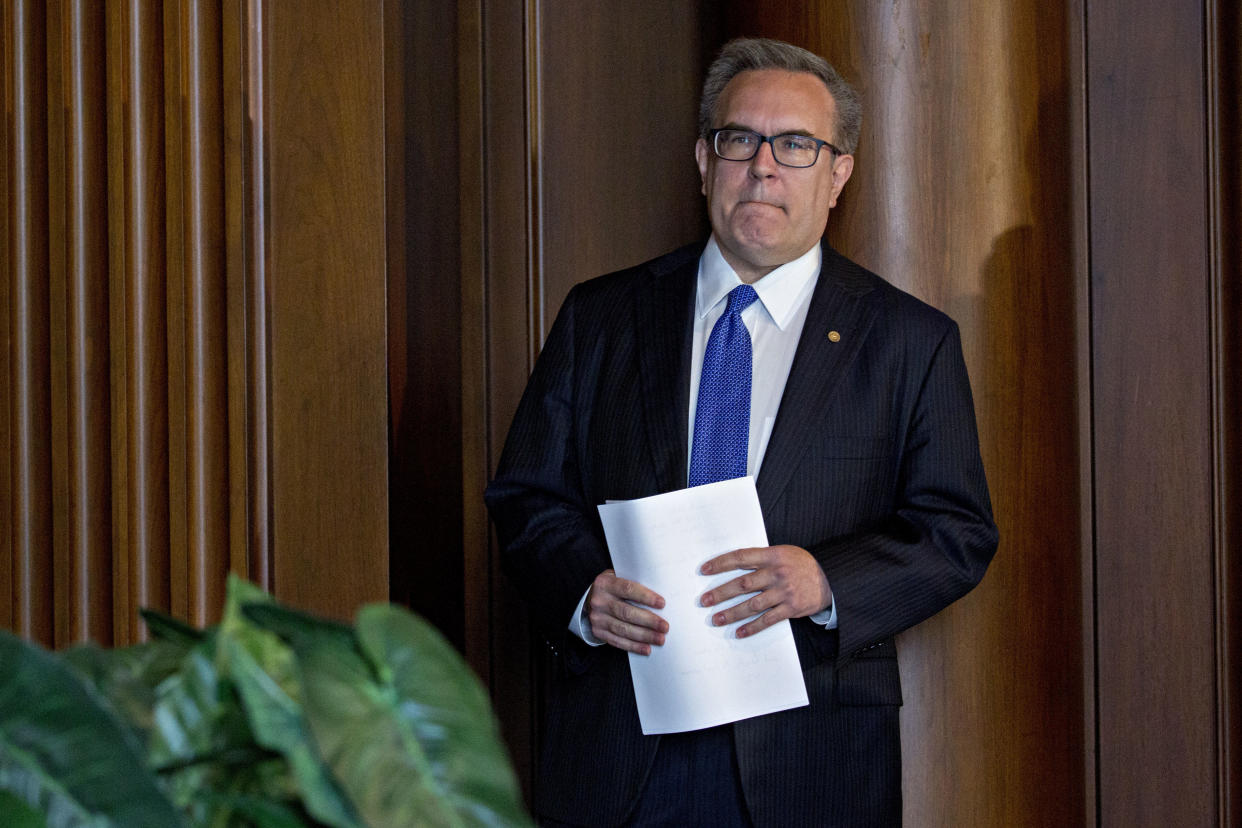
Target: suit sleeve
(941,536)
(551,542)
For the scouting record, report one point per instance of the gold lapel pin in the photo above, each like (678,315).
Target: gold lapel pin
(833,336)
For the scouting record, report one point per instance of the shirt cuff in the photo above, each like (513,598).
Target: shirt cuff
(826,618)
(581,627)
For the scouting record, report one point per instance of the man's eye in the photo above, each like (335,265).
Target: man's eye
(796,144)
(741,139)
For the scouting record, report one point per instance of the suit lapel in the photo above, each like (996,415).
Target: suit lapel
(839,306)
(665,308)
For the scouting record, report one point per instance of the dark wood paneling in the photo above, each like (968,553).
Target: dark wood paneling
(1152,403)
(29,451)
(1225,179)
(617,121)
(326,279)
(79,275)
(199,475)
(137,290)
(425,313)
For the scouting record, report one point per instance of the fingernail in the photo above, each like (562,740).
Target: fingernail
(719,619)
(742,632)
(706,569)
(706,600)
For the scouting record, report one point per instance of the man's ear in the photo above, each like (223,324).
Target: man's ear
(842,168)
(702,154)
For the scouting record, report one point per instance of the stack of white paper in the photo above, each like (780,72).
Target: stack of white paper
(703,675)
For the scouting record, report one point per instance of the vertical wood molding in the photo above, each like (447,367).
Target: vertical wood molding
(245,197)
(29,399)
(194,119)
(1224,128)
(139,317)
(81,240)
(476,444)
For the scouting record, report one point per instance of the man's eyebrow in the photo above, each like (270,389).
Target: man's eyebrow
(795,131)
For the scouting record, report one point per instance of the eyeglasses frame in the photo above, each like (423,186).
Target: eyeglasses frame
(768,139)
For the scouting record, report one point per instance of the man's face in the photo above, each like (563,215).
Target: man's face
(764,214)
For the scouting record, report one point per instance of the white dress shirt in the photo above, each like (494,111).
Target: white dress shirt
(775,326)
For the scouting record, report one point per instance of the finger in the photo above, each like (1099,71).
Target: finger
(627,590)
(627,636)
(622,612)
(752,606)
(772,616)
(756,581)
(751,557)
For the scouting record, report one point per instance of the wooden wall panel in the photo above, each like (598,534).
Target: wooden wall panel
(326,281)
(29,450)
(138,336)
(1155,562)
(425,313)
(197,309)
(1224,91)
(138,311)
(961,195)
(78,221)
(619,185)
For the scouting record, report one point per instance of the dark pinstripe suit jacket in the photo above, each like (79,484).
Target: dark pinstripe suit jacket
(873,465)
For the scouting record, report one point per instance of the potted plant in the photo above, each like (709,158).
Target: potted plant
(272,718)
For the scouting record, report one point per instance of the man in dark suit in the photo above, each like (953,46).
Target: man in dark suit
(860,433)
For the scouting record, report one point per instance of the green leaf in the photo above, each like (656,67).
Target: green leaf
(264,671)
(446,708)
(174,630)
(65,752)
(400,719)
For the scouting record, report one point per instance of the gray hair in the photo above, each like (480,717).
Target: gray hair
(745,54)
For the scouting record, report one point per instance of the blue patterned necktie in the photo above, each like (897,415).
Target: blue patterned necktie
(722,417)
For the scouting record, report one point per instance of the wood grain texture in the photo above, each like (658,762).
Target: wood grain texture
(960,196)
(79,222)
(425,313)
(196,277)
(1224,91)
(1152,393)
(29,450)
(324,130)
(139,310)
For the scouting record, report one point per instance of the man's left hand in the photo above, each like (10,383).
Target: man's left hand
(789,584)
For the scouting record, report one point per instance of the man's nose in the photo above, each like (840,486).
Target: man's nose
(764,162)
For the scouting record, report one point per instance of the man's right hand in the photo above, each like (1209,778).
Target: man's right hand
(615,620)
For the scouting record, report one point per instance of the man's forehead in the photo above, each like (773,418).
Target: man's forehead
(798,100)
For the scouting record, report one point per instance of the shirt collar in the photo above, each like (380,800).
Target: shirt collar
(779,290)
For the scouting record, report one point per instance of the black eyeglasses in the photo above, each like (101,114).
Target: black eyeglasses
(789,150)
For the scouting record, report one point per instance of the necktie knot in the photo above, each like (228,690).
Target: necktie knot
(741,298)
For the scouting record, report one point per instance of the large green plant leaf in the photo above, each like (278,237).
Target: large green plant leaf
(263,668)
(408,751)
(65,752)
(446,709)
